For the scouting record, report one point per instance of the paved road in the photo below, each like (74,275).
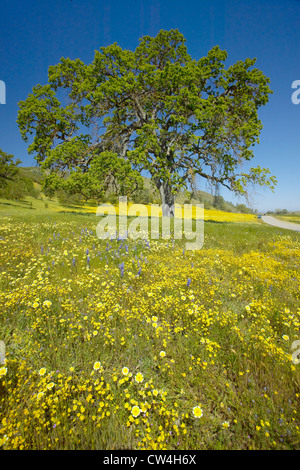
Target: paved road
(280,223)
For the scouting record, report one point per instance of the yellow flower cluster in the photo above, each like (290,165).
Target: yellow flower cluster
(115,343)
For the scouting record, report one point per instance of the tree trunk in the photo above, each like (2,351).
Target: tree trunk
(167,198)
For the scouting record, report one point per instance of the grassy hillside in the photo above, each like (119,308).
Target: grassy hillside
(45,205)
(146,196)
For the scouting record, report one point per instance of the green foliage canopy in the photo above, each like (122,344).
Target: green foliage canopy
(154,109)
(14,184)
(8,168)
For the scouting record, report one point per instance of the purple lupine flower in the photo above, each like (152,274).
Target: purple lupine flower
(188,282)
(121,267)
(73,261)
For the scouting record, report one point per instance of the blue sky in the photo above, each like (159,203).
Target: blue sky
(36,34)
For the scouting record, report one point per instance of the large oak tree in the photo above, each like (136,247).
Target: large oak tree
(157,110)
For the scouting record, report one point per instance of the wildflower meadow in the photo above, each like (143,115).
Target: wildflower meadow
(142,344)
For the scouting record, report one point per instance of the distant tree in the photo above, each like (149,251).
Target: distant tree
(68,199)
(281,211)
(219,202)
(14,184)
(18,189)
(229,207)
(242,208)
(28,185)
(8,168)
(34,173)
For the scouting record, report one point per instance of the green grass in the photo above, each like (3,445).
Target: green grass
(291,217)
(227,316)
